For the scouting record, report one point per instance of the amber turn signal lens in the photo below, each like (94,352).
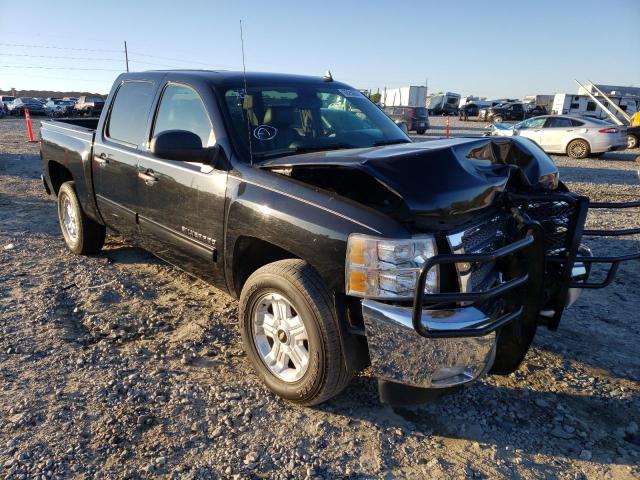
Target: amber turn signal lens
(356,281)
(356,253)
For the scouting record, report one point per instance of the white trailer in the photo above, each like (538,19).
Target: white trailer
(545,101)
(574,104)
(411,96)
(440,100)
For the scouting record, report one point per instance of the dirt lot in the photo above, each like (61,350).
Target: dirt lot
(118,365)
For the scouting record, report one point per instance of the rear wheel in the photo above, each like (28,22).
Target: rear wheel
(632,141)
(578,148)
(290,333)
(421,131)
(497,119)
(81,234)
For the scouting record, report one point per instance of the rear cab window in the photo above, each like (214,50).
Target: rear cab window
(127,122)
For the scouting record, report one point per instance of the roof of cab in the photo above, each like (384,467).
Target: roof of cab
(223,77)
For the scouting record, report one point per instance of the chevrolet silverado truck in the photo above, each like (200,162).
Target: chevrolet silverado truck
(347,244)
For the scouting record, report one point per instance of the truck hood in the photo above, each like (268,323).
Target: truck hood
(435,178)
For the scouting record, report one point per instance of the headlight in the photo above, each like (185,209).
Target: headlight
(388,269)
(550,181)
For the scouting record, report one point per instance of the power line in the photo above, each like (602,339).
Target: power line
(170,58)
(60,57)
(60,48)
(49,77)
(61,68)
(66,57)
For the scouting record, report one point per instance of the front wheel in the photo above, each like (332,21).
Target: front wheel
(290,333)
(81,234)
(421,131)
(497,119)
(578,148)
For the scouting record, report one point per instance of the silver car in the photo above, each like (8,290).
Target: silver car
(575,136)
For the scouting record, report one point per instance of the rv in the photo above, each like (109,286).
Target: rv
(443,102)
(572,104)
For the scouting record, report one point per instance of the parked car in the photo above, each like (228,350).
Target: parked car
(577,137)
(633,137)
(443,110)
(89,105)
(347,244)
(468,110)
(17,106)
(58,108)
(415,118)
(4,100)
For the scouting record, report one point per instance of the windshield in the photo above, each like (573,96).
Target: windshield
(283,120)
(94,99)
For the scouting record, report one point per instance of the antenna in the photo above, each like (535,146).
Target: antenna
(246,92)
(126,55)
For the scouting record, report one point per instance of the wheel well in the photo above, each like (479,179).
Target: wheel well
(566,147)
(58,174)
(250,254)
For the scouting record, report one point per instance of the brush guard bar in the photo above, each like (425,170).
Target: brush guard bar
(486,326)
(575,232)
(612,261)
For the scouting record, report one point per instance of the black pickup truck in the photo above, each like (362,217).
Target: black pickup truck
(347,244)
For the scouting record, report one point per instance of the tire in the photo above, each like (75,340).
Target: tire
(497,119)
(82,235)
(421,131)
(578,148)
(632,141)
(325,373)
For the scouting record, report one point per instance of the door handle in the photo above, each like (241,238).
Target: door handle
(102,159)
(148,177)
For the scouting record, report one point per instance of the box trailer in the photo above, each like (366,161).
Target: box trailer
(411,96)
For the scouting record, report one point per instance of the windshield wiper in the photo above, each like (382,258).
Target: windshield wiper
(390,142)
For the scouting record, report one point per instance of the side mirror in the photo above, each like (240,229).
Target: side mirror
(180,145)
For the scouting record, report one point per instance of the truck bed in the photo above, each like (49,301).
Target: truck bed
(85,124)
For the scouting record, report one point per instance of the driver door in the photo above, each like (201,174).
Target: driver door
(181,202)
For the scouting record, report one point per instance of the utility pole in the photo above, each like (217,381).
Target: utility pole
(126,55)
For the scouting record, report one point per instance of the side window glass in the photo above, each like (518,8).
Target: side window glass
(181,108)
(128,118)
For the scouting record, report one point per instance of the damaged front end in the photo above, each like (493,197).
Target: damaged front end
(507,252)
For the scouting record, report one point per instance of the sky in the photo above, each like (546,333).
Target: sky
(491,48)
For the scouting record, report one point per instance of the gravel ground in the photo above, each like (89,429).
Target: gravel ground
(120,366)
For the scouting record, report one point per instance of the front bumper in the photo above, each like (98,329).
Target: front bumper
(449,339)
(443,347)
(399,354)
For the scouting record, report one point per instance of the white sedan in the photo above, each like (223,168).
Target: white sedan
(575,136)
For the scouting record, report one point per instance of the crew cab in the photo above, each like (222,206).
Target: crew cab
(347,244)
(505,111)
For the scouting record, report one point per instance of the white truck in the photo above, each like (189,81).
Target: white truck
(411,96)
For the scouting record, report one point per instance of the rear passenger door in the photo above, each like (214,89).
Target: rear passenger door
(115,155)
(181,202)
